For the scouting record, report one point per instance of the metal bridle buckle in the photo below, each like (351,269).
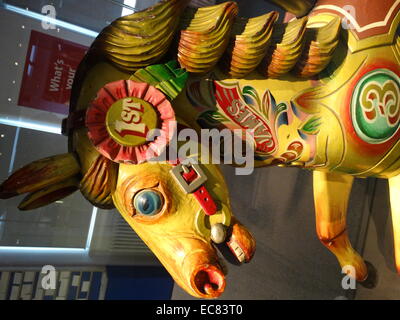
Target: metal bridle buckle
(185,168)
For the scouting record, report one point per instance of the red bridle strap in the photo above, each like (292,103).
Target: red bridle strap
(192,179)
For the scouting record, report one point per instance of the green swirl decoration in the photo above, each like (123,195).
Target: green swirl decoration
(375,106)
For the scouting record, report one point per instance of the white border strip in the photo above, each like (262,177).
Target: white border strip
(353,19)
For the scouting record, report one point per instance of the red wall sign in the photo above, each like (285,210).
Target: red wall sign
(49,72)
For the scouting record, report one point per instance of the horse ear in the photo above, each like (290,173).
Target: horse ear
(98,184)
(49,194)
(40,174)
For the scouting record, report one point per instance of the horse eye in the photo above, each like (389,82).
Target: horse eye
(148,202)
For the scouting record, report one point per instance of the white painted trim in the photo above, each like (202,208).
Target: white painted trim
(354,21)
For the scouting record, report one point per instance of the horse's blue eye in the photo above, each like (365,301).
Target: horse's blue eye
(148,202)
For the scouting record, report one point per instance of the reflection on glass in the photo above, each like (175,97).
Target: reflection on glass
(67,224)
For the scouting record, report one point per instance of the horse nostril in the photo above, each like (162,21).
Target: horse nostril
(210,281)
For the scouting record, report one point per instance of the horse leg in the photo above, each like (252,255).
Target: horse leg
(394,190)
(331,196)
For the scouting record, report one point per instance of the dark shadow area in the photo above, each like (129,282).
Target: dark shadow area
(381,217)
(277,206)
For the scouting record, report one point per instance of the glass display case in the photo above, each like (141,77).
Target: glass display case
(35,98)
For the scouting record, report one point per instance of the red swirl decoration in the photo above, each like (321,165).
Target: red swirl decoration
(96,121)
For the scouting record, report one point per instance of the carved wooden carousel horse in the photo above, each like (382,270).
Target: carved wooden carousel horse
(319,92)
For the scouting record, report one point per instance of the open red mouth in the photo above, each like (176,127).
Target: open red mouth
(202,271)
(241,243)
(207,278)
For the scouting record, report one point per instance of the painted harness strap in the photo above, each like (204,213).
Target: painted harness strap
(191,179)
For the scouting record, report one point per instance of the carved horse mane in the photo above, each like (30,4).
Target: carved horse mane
(202,38)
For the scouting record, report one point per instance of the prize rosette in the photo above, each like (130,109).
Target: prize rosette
(122,117)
